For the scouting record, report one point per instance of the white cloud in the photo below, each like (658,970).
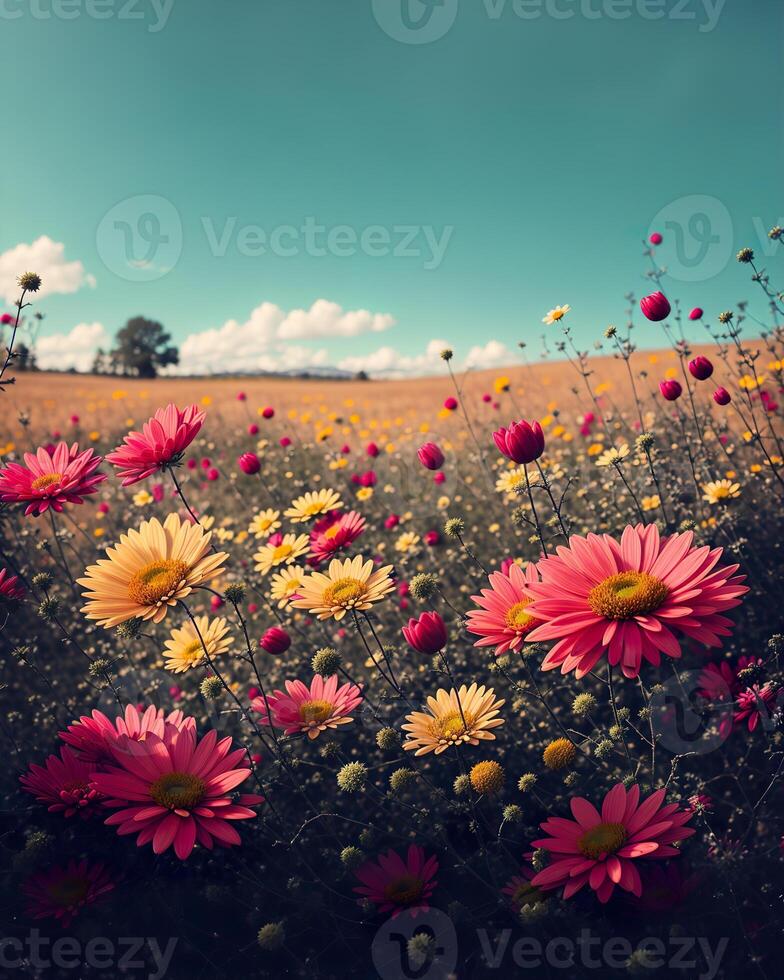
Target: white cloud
(46,258)
(388,362)
(74,349)
(259,344)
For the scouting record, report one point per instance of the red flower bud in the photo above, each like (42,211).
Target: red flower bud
(671,390)
(522,442)
(655,238)
(275,641)
(426,634)
(696,313)
(655,307)
(249,463)
(721,396)
(700,368)
(430,456)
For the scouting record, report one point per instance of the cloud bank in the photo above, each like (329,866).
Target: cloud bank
(47,259)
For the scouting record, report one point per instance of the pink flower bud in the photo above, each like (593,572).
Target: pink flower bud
(285,441)
(391,522)
(671,390)
(213,474)
(721,396)
(430,456)
(700,368)
(655,307)
(432,538)
(275,641)
(655,238)
(253,429)
(696,313)
(439,477)
(522,442)
(268,412)
(450,404)
(241,396)
(249,463)
(371,449)
(426,634)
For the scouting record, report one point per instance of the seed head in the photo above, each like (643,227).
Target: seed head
(423,586)
(352,777)
(454,527)
(526,781)
(401,778)
(271,936)
(387,739)
(211,688)
(745,255)
(235,593)
(583,704)
(352,857)
(30,282)
(326,662)
(559,754)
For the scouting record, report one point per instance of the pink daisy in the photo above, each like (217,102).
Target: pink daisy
(161,443)
(62,892)
(394,884)
(177,790)
(334,533)
(64,476)
(520,891)
(719,682)
(90,733)
(65,783)
(504,621)
(756,704)
(310,710)
(10,588)
(600,849)
(626,598)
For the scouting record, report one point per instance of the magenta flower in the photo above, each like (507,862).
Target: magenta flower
(503,621)
(92,735)
(334,533)
(522,442)
(65,783)
(756,704)
(426,634)
(600,849)
(177,790)
(10,588)
(656,306)
(430,456)
(671,390)
(655,238)
(721,396)
(309,710)
(249,463)
(628,598)
(275,641)
(64,476)
(700,368)
(696,313)
(161,443)
(62,892)
(394,884)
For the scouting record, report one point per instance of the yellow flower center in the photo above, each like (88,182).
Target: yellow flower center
(69,891)
(281,552)
(517,618)
(345,592)
(192,653)
(450,727)
(315,712)
(315,507)
(627,594)
(601,840)
(332,531)
(557,314)
(46,481)
(404,890)
(157,581)
(178,791)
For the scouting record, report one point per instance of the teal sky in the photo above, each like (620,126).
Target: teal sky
(547,145)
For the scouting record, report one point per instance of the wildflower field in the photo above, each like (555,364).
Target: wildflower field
(462,677)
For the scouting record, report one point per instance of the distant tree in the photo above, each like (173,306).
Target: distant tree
(361,376)
(102,363)
(141,348)
(25,358)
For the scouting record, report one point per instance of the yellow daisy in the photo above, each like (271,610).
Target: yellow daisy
(347,585)
(364,493)
(510,479)
(149,571)
(184,649)
(407,541)
(264,523)
(720,490)
(651,503)
(556,314)
(290,548)
(313,504)
(142,498)
(612,455)
(449,721)
(285,584)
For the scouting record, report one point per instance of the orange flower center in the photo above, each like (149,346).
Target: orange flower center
(332,531)
(404,890)
(627,594)
(178,791)
(46,481)
(315,712)
(450,727)
(157,581)
(601,840)
(68,891)
(281,553)
(345,592)
(517,618)
(192,653)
